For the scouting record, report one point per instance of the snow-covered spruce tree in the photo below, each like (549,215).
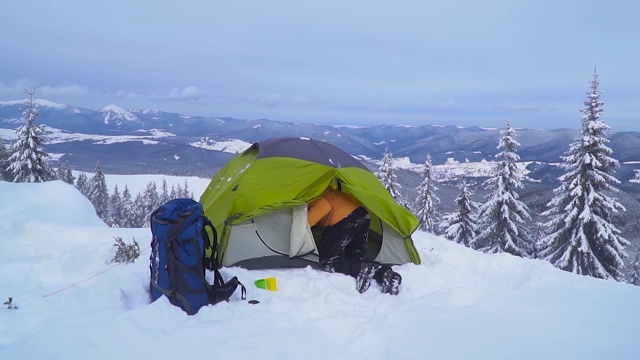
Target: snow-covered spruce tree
(83,184)
(59,172)
(141,218)
(115,209)
(98,193)
(151,199)
(537,230)
(5,174)
(65,174)
(633,275)
(186,193)
(425,205)
(125,253)
(388,178)
(581,237)
(129,215)
(164,194)
(502,217)
(461,226)
(28,162)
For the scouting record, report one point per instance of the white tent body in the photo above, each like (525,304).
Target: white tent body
(282,238)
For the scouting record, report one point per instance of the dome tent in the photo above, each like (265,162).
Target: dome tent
(258,203)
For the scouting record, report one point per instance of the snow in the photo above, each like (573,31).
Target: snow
(351,126)
(115,112)
(453,169)
(8,134)
(406,126)
(458,304)
(37,102)
(232,146)
(55,136)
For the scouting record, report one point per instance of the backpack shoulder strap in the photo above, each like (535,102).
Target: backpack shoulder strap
(211,247)
(219,290)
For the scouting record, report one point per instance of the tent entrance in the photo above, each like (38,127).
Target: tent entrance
(275,240)
(282,239)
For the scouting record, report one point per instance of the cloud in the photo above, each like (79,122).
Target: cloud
(518,108)
(43,91)
(62,90)
(414,106)
(15,87)
(275,100)
(188,94)
(126,95)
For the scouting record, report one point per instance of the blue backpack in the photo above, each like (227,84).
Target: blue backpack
(177,261)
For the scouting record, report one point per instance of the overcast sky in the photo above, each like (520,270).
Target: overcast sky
(444,62)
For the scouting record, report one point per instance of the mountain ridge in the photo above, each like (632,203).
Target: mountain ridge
(153,139)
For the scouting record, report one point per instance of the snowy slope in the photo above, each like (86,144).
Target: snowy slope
(459,304)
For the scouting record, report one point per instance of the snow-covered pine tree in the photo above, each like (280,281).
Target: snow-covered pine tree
(140,213)
(125,253)
(98,193)
(65,174)
(461,226)
(427,200)
(151,199)
(633,274)
(129,214)
(636,176)
(83,184)
(59,172)
(68,174)
(115,209)
(5,174)
(164,194)
(387,177)
(28,162)
(582,238)
(186,193)
(502,217)
(537,230)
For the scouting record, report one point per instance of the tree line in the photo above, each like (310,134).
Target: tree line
(578,236)
(122,209)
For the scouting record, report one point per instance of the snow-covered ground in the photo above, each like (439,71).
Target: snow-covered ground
(458,304)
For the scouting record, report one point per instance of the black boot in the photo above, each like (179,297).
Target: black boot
(367,272)
(389,280)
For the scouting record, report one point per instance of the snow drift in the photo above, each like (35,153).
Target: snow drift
(459,304)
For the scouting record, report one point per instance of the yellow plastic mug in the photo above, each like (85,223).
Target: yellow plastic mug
(268,284)
(271,284)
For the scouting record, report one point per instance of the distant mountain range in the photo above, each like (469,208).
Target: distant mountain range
(145,140)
